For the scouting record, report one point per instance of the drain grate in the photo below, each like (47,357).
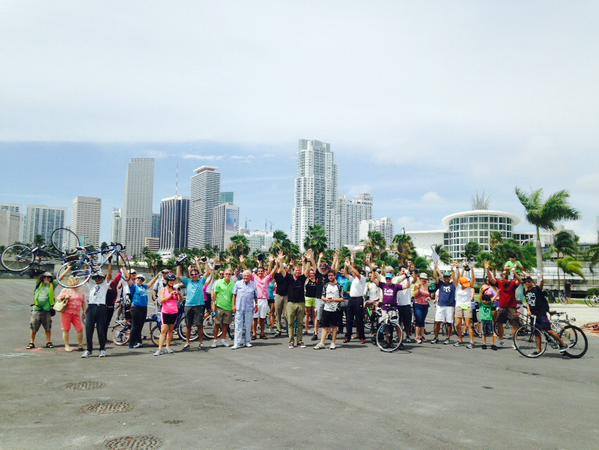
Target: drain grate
(133,443)
(173,422)
(106,407)
(84,385)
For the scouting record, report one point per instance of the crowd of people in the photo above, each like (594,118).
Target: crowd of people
(306,298)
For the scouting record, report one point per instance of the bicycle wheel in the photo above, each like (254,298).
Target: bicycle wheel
(74,274)
(575,340)
(121,334)
(155,333)
(182,330)
(65,241)
(208,326)
(389,337)
(17,258)
(530,342)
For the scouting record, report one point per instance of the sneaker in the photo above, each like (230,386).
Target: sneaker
(434,341)
(457,344)
(213,344)
(291,345)
(332,347)
(235,347)
(318,346)
(86,354)
(346,340)
(484,346)
(138,345)
(248,345)
(169,350)
(563,349)
(363,341)
(68,348)
(157,353)
(201,346)
(314,338)
(225,343)
(302,345)
(446,341)
(186,347)
(493,347)
(514,347)
(469,345)
(102,354)
(500,343)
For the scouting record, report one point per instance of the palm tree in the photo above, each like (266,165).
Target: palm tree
(316,239)
(38,240)
(570,266)
(544,215)
(593,256)
(240,245)
(471,250)
(564,244)
(281,243)
(375,245)
(404,247)
(444,255)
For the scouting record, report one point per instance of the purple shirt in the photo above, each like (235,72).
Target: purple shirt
(390,291)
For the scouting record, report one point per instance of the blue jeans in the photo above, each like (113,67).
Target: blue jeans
(420,312)
(243,327)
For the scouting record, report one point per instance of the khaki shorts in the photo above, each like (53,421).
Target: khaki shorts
(223,317)
(461,313)
(40,318)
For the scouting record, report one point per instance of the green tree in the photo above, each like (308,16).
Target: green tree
(152,260)
(421,264)
(570,266)
(565,244)
(281,243)
(444,255)
(375,245)
(240,245)
(471,250)
(38,240)
(404,247)
(593,257)
(544,215)
(316,239)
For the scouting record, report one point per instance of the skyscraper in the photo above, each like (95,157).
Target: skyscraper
(117,225)
(383,226)
(137,209)
(205,191)
(155,225)
(86,219)
(42,220)
(174,223)
(10,227)
(226,197)
(349,214)
(315,194)
(226,224)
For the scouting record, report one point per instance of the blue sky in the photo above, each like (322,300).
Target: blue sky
(424,103)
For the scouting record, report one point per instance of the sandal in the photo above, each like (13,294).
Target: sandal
(30,346)
(49,345)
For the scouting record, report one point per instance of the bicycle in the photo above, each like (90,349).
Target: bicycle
(87,261)
(389,335)
(208,326)
(18,257)
(532,342)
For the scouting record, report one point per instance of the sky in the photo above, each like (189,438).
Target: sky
(424,103)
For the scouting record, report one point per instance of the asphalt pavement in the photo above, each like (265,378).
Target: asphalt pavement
(426,396)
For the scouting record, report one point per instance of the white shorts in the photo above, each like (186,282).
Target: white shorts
(263,309)
(444,314)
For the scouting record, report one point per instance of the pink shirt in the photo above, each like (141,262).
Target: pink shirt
(170,301)
(422,297)
(262,285)
(76,300)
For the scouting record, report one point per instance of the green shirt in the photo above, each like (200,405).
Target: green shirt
(486,311)
(224,294)
(513,265)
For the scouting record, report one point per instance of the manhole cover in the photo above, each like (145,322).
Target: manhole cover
(84,385)
(173,422)
(106,408)
(133,443)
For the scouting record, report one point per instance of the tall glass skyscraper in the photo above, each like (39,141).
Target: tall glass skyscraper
(205,193)
(137,209)
(315,193)
(86,219)
(174,223)
(42,220)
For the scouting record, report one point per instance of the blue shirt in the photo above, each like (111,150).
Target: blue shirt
(446,294)
(271,291)
(195,291)
(139,295)
(246,295)
(345,284)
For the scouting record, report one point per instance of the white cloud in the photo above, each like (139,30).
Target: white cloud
(431,198)
(200,157)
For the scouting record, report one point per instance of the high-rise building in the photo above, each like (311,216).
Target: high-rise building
(156,222)
(225,224)
(315,193)
(226,197)
(137,209)
(10,227)
(174,223)
(117,225)
(383,226)
(205,191)
(42,220)
(86,220)
(152,243)
(348,215)
(259,240)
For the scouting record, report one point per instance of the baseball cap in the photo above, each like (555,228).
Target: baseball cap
(447,273)
(47,274)
(465,282)
(389,276)
(423,276)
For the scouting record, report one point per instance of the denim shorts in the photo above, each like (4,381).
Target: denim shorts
(487,327)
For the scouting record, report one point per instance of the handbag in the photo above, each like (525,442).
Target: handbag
(60,305)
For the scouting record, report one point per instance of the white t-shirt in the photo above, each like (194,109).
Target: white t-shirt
(373,292)
(463,297)
(331,291)
(404,297)
(358,287)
